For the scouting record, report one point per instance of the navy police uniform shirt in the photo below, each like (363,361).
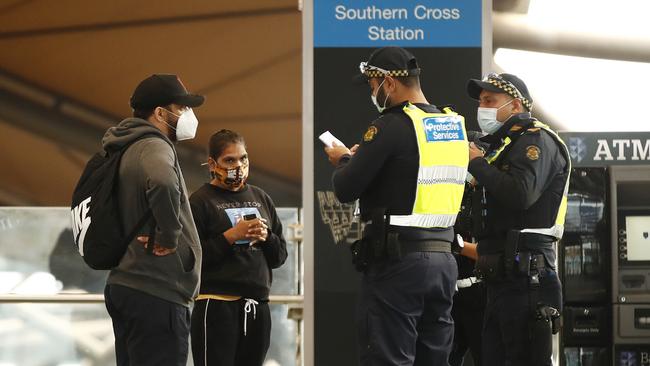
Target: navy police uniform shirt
(523,188)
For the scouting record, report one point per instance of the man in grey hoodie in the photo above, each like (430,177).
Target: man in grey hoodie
(148,295)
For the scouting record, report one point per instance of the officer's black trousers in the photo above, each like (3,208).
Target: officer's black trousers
(218,333)
(149,331)
(506,338)
(404,314)
(468,312)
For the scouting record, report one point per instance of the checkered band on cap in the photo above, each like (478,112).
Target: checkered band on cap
(379,74)
(511,90)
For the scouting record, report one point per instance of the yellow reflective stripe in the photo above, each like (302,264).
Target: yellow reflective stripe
(423,220)
(562,212)
(555,231)
(438,198)
(493,156)
(442,175)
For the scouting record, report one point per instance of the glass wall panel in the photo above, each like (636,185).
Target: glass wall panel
(38,257)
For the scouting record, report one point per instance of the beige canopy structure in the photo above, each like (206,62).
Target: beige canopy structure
(68,68)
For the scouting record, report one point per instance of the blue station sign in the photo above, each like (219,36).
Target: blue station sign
(405,23)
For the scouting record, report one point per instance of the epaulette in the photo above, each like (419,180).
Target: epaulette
(533,130)
(448,108)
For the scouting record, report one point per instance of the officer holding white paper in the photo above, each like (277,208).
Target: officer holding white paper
(408,174)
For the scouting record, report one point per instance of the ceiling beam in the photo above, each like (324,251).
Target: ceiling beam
(249,72)
(138,23)
(285,117)
(49,123)
(518,32)
(10,198)
(57,124)
(7,8)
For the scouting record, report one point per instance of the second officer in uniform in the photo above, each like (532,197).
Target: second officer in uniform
(408,174)
(520,203)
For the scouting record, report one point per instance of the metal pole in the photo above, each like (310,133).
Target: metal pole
(294,300)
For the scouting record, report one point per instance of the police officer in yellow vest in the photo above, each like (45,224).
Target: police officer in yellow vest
(520,202)
(408,173)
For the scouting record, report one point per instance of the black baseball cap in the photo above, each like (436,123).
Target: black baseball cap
(163,89)
(391,61)
(501,83)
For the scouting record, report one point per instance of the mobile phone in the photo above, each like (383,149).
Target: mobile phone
(250,217)
(328,139)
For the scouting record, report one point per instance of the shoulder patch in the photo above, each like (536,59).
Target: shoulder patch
(533,152)
(370,133)
(533,130)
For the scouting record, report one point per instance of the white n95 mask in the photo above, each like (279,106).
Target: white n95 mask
(487,119)
(186,125)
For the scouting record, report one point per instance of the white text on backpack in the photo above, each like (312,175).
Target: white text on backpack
(80,223)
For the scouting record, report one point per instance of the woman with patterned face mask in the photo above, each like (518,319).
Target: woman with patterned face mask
(241,237)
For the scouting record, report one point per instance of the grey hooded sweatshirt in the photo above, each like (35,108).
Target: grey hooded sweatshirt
(150,177)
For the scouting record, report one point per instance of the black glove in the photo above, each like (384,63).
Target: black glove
(475,137)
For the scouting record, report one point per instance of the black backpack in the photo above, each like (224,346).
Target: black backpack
(96,219)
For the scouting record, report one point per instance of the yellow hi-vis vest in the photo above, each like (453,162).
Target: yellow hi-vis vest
(558,227)
(444,155)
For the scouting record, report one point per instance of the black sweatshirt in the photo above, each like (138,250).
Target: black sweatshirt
(237,269)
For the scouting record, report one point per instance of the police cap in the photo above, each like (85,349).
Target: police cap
(388,61)
(501,83)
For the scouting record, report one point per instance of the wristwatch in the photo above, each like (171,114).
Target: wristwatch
(458,244)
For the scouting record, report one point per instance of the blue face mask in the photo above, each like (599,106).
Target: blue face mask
(487,119)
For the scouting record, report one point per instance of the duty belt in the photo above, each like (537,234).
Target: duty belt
(490,267)
(530,240)
(425,246)
(527,241)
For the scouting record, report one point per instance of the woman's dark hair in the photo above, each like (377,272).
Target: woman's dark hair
(221,139)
